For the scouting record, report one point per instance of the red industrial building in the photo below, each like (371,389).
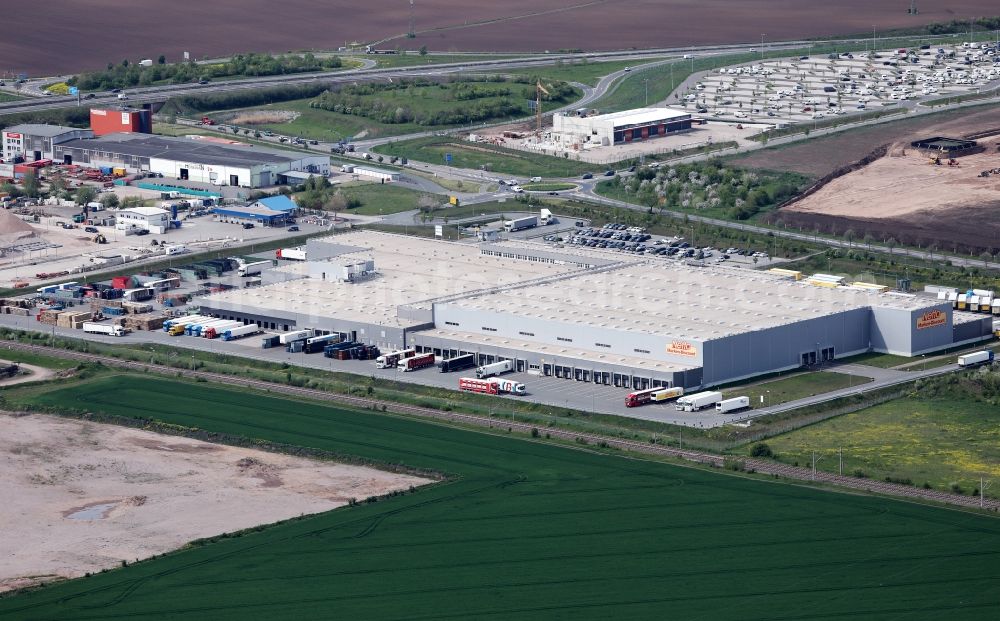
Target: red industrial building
(127,120)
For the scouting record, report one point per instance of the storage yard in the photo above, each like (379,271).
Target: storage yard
(107,494)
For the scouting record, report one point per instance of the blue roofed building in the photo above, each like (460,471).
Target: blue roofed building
(277,203)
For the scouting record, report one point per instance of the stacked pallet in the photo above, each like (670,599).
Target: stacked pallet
(49,317)
(73,319)
(146,321)
(136,308)
(15,310)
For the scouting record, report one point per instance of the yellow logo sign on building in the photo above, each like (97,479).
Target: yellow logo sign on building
(931,319)
(680,348)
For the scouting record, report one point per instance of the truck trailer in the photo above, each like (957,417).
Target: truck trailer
(413,363)
(252,269)
(291,254)
(732,405)
(458,363)
(497,368)
(217,330)
(698,401)
(652,395)
(975,358)
(295,335)
(390,360)
(519,224)
(181,321)
(240,332)
(492,386)
(317,344)
(103,328)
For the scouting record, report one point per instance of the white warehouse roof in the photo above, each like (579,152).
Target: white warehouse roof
(640,116)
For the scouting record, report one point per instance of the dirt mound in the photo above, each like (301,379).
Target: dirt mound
(13,226)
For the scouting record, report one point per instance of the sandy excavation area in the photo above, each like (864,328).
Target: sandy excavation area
(905,196)
(81,496)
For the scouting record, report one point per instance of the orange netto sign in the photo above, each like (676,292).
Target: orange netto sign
(680,348)
(931,319)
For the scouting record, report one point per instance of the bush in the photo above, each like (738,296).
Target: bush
(761,450)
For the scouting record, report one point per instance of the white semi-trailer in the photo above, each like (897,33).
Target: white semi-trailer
(518,224)
(732,405)
(489,370)
(698,401)
(103,328)
(978,357)
(252,269)
(291,254)
(235,333)
(296,335)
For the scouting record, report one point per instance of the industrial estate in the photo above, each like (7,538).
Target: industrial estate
(370,331)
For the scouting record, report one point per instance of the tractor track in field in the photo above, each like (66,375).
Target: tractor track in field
(755,465)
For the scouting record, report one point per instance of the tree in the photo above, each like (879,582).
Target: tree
(891,242)
(849,235)
(131,201)
(31,185)
(336,203)
(162,60)
(423,50)
(85,194)
(110,200)
(761,450)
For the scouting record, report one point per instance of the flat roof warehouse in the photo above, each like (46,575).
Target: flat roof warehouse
(657,322)
(186,149)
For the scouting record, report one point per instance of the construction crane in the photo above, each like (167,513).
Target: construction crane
(539,89)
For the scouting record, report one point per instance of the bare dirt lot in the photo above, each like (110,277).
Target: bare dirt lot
(81,496)
(66,42)
(905,196)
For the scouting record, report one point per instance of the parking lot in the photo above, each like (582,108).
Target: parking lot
(635,241)
(810,88)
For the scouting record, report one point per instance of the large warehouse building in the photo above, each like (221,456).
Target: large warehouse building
(202,160)
(618,127)
(586,315)
(33,142)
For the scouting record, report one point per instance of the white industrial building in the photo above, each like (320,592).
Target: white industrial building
(617,127)
(587,315)
(152,219)
(191,159)
(34,142)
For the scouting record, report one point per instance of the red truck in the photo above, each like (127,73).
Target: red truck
(416,362)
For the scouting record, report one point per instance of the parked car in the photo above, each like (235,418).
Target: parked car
(90,229)
(248,225)
(293,229)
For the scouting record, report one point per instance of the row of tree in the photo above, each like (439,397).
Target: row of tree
(128,74)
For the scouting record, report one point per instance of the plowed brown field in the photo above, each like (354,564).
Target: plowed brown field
(69,36)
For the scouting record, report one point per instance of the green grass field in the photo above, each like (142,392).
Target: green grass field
(527,531)
(548,187)
(795,387)
(586,73)
(8,97)
(939,441)
(475,156)
(328,125)
(384,199)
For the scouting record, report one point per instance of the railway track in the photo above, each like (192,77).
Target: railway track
(756,465)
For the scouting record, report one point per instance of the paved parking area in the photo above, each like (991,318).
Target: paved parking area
(809,88)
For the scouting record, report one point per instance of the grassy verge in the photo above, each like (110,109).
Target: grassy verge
(795,387)
(548,187)
(5,96)
(383,199)
(872,359)
(582,71)
(945,442)
(806,127)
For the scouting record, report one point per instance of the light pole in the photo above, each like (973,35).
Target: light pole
(762,46)
(646,83)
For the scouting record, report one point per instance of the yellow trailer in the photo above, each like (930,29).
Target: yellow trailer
(667,394)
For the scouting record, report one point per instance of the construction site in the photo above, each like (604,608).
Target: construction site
(934,192)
